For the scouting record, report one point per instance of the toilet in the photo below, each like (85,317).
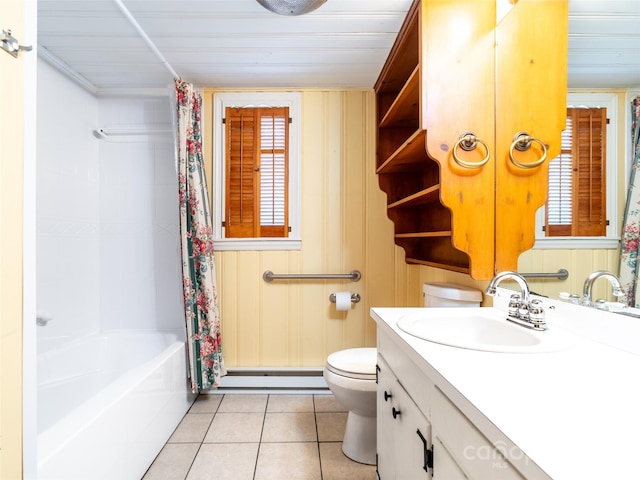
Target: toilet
(351,376)
(450,295)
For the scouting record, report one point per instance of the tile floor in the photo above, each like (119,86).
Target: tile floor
(259,437)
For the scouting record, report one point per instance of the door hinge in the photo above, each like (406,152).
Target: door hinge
(224,121)
(607,223)
(224,224)
(289,229)
(290,120)
(607,121)
(427,460)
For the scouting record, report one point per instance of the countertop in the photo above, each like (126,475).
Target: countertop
(574,413)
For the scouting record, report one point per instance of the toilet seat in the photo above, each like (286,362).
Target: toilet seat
(359,363)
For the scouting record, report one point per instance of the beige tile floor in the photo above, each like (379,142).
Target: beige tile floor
(259,437)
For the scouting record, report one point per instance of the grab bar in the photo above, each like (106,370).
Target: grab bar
(561,274)
(354,276)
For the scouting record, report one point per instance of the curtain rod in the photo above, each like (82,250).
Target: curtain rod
(145,37)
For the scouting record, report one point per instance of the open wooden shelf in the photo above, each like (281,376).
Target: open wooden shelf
(423,197)
(409,156)
(405,109)
(406,173)
(445,266)
(443,233)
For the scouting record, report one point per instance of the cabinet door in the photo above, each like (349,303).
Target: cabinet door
(458,97)
(446,467)
(413,438)
(467,448)
(387,385)
(531,87)
(403,432)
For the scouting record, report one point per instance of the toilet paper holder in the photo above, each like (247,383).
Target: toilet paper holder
(355,298)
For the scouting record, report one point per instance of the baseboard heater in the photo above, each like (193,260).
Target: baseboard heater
(285,380)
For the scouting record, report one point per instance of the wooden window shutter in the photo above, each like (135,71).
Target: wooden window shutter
(241,164)
(257,172)
(589,194)
(576,205)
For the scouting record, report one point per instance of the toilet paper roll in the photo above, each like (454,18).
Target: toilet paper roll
(343,300)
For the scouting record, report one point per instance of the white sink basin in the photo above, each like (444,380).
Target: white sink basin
(482,328)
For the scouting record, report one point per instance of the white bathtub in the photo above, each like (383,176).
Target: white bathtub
(108,403)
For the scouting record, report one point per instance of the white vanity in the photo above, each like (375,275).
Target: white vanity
(568,411)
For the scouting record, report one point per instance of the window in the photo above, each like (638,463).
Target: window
(256,167)
(576,205)
(256,188)
(582,205)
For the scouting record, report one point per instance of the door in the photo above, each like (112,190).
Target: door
(11,194)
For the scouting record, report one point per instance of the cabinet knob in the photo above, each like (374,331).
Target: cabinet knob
(395,412)
(387,396)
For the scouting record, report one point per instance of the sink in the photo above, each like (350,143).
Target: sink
(617,307)
(482,328)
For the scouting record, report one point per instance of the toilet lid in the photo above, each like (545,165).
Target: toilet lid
(354,362)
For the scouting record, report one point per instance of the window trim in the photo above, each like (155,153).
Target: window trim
(612,238)
(221,101)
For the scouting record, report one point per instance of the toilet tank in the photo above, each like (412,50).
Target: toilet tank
(450,295)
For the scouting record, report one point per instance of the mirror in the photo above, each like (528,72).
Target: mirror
(581,256)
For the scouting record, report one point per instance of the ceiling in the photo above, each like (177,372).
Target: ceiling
(239,44)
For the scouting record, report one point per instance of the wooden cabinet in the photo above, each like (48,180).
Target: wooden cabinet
(456,70)
(420,432)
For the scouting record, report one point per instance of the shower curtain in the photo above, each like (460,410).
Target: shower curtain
(631,223)
(198,266)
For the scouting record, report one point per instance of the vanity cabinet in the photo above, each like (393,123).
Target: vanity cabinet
(421,433)
(458,86)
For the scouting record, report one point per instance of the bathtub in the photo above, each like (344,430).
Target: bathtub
(108,403)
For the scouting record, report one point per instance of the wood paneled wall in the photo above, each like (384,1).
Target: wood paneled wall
(344,227)
(579,263)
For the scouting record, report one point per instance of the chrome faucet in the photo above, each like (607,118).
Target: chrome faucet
(522,310)
(588,286)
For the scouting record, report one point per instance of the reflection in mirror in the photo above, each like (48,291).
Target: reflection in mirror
(583,255)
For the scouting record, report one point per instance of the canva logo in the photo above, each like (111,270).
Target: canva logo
(497,454)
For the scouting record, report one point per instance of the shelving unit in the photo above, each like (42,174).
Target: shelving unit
(454,206)
(409,177)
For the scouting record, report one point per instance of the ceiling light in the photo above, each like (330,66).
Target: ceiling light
(291,7)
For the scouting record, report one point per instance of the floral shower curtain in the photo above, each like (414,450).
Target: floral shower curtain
(198,266)
(631,227)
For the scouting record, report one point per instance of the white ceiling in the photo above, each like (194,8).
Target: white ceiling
(238,44)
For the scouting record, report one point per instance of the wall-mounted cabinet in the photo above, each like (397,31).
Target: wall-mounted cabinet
(454,71)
